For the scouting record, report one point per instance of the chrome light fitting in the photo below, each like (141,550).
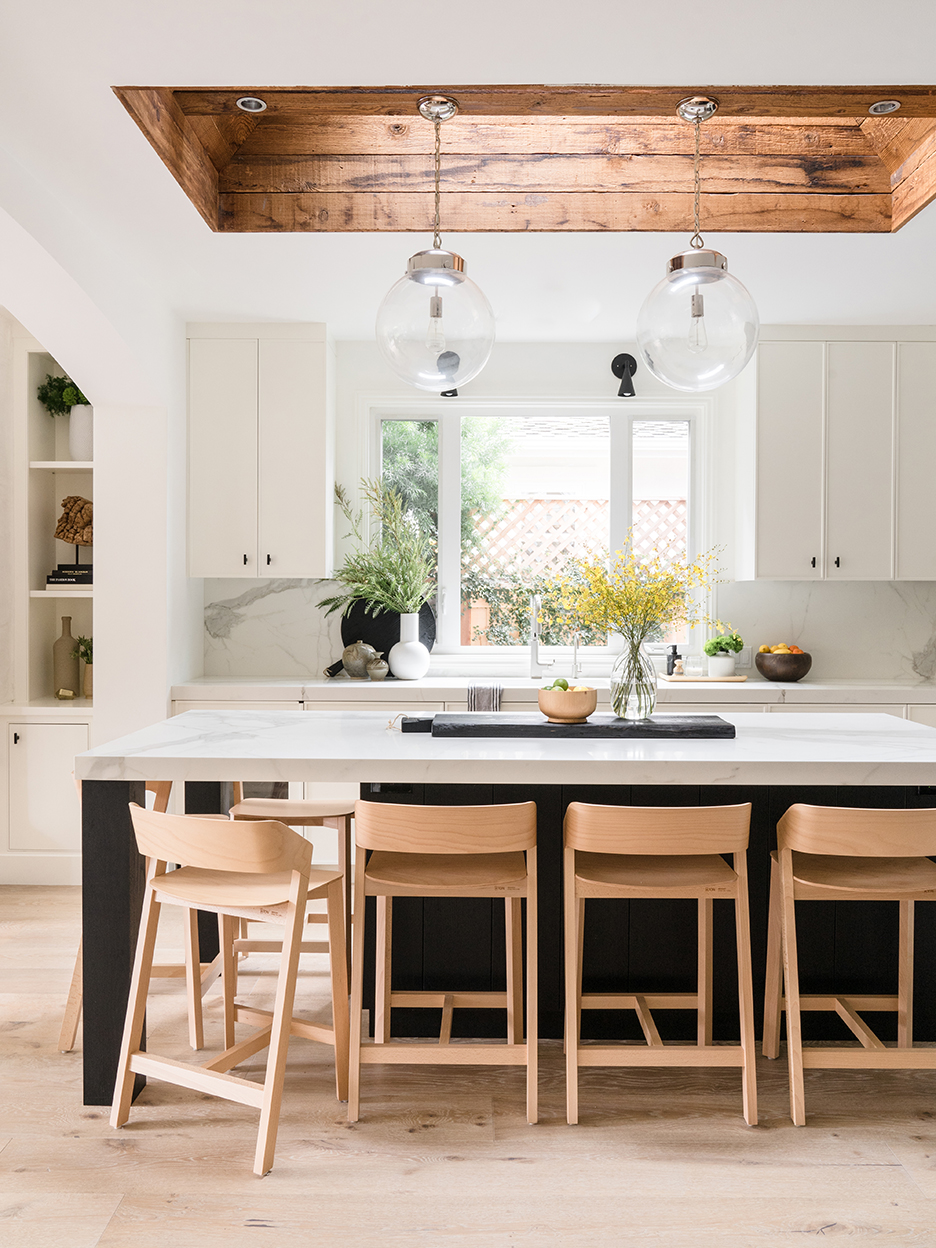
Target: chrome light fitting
(698,327)
(435,328)
(251,104)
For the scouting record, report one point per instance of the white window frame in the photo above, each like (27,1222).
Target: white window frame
(372,411)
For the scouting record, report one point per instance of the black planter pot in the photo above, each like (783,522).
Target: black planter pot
(382,631)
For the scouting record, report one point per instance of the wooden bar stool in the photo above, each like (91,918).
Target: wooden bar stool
(261,871)
(837,854)
(197,982)
(302,814)
(446,851)
(631,851)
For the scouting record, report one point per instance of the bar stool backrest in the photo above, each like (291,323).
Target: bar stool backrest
(850,832)
(254,848)
(657,829)
(445,829)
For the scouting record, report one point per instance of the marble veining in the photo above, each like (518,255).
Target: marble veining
(359,746)
(272,628)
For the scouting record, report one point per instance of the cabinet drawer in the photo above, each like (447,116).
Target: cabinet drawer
(710,708)
(812,708)
(392,708)
(179,707)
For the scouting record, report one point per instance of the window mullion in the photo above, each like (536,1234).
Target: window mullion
(449,600)
(621,481)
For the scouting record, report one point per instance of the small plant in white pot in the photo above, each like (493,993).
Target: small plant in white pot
(60,396)
(721,651)
(392,571)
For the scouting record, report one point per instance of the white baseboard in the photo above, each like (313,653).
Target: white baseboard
(28,868)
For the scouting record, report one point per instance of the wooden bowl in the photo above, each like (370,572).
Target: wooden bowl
(563,707)
(783,666)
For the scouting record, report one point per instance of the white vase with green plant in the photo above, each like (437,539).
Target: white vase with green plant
(638,599)
(722,651)
(60,396)
(390,569)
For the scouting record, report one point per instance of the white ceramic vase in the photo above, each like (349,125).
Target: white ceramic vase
(721,665)
(81,432)
(409,658)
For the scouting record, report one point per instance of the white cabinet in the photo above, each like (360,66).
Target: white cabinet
(846,439)
(916,456)
(43,803)
(790,385)
(846,708)
(261,455)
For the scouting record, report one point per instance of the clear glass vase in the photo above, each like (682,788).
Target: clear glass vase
(633,684)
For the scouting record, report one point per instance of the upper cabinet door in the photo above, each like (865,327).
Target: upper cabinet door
(222,519)
(916,457)
(859,456)
(296,456)
(790,385)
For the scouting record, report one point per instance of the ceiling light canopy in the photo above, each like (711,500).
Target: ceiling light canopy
(250,104)
(698,327)
(435,328)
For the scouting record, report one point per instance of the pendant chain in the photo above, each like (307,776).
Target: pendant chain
(436,235)
(696,241)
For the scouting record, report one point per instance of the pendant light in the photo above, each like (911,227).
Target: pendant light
(698,327)
(435,328)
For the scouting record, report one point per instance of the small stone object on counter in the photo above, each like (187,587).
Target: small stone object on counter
(377,669)
(356,658)
(75,524)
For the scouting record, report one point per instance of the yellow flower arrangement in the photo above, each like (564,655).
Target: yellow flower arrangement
(633,597)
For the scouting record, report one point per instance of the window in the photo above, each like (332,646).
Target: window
(511,494)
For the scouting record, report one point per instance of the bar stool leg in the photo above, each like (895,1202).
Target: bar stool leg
(136,1006)
(905,977)
(514,943)
(532,997)
(357,1000)
(745,991)
(574,909)
(337,958)
(382,976)
(193,980)
(773,988)
(791,983)
(228,927)
(72,1007)
(704,1017)
(279,1036)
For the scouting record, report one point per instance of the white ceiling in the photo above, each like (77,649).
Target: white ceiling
(76,172)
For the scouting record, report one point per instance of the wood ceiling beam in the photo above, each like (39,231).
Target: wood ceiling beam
(550,173)
(566,100)
(908,151)
(379,136)
(165,125)
(338,212)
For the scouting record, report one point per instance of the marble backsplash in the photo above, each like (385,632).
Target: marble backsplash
(855,630)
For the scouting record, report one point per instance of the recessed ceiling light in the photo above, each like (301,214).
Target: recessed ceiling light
(884,106)
(250,104)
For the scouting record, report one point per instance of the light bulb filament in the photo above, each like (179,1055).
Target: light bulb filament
(435,334)
(698,338)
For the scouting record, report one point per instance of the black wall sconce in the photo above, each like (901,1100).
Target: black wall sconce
(624,366)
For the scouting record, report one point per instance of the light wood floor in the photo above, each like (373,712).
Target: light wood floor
(442,1157)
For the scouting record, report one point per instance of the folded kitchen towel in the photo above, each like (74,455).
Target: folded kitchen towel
(484,695)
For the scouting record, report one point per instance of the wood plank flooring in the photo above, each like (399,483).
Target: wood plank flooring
(441,1157)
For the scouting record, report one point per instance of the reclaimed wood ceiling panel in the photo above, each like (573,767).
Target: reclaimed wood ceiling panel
(558,158)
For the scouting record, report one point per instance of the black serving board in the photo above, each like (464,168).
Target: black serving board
(534,724)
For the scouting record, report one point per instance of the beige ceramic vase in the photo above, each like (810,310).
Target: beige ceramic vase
(64,667)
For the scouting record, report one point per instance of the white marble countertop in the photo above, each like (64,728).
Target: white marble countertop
(520,689)
(358,746)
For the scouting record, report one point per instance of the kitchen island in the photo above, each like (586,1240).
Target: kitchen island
(831,759)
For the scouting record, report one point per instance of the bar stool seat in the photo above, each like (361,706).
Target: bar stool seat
(265,894)
(872,877)
(444,871)
(665,875)
(294,814)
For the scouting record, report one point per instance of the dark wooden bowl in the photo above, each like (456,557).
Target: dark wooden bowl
(783,666)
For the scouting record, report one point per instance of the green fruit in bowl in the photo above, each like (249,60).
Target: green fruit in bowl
(560,683)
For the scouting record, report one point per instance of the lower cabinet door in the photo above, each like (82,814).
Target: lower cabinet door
(44,811)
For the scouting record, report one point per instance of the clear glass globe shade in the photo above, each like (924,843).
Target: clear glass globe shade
(435,352)
(697,343)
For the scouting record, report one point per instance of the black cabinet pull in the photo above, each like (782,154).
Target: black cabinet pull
(245,560)
(16,738)
(813,561)
(269,560)
(838,562)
